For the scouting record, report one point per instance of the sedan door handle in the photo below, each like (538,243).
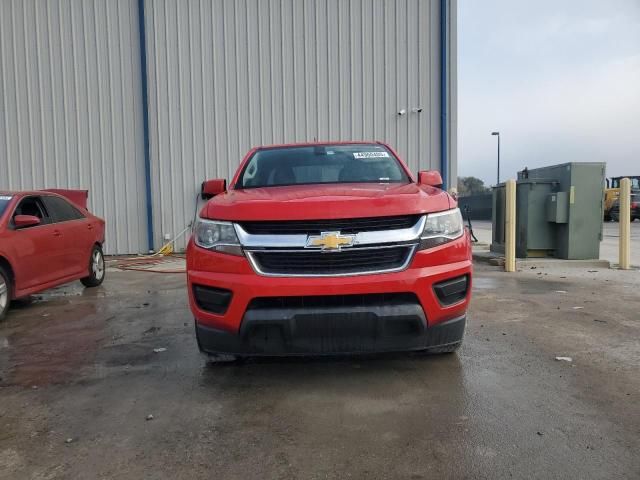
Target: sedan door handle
(89,227)
(57,233)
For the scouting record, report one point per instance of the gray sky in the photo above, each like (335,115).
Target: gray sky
(559,79)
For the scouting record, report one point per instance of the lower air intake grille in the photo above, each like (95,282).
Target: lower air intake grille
(335,301)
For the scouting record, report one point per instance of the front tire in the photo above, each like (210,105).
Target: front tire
(96,268)
(5,292)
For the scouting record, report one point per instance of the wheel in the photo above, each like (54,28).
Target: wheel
(96,268)
(5,292)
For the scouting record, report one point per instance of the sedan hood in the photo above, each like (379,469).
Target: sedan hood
(306,202)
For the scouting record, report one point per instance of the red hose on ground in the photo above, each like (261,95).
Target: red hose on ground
(146,264)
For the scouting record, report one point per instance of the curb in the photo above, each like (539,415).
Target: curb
(486,256)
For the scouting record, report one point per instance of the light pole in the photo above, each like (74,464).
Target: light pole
(498,135)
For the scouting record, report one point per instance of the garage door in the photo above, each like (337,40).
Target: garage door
(225,75)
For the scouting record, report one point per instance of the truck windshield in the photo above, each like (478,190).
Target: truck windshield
(4,201)
(319,164)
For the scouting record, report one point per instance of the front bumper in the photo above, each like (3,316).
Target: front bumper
(241,328)
(341,333)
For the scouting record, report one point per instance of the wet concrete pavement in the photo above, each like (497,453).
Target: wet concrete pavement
(80,365)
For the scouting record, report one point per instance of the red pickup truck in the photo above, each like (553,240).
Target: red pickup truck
(328,248)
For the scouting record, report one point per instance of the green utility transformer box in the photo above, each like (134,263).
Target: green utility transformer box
(559,211)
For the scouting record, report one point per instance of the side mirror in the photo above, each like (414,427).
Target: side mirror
(211,188)
(431,178)
(24,221)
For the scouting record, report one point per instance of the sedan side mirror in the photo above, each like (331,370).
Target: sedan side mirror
(24,221)
(431,178)
(211,188)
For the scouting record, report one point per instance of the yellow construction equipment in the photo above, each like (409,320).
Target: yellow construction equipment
(612,192)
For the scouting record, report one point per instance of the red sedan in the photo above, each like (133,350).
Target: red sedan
(47,238)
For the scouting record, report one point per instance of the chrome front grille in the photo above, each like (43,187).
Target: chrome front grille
(353,261)
(295,252)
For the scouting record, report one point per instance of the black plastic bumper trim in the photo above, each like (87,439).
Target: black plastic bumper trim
(210,299)
(452,291)
(398,331)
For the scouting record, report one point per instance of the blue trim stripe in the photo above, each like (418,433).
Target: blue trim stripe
(145,121)
(444,127)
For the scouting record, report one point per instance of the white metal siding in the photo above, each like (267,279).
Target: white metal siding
(226,75)
(70,107)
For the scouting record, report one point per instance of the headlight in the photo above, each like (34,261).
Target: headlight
(217,236)
(441,227)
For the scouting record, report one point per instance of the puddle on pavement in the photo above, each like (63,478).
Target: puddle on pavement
(49,341)
(128,355)
(523,285)
(538,286)
(485,283)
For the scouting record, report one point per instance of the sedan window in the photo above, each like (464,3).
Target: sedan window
(61,210)
(4,203)
(32,206)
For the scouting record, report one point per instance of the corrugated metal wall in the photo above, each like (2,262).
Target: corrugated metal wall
(70,107)
(225,75)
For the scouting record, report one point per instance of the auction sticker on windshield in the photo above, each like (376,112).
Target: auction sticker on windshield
(370,154)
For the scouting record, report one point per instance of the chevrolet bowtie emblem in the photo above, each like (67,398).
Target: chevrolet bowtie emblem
(330,241)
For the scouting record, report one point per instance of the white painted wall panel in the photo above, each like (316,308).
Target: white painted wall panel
(226,75)
(70,107)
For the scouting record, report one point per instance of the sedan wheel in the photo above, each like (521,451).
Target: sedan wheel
(96,268)
(97,265)
(5,293)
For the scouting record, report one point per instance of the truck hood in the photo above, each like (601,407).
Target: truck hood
(334,201)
